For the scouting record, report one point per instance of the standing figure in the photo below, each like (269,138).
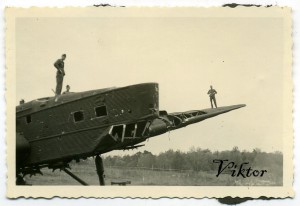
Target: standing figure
(59,65)
(212,97)
(67,89)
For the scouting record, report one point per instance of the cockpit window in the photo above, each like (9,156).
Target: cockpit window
(101,111)
(78,116)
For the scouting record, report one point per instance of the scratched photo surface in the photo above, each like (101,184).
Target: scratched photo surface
(149,98)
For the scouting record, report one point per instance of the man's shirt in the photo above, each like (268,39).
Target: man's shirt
(212,92)
(59,65)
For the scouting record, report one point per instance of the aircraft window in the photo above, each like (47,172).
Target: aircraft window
(141,127)
(117,131)
(28,119)
(101,111)
(130,130)
(78,116)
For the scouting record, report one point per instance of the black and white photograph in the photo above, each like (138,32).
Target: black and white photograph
(193,98)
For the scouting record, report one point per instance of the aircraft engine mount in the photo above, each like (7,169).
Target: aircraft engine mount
(158,127)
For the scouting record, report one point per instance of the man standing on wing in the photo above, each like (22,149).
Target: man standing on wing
(59,65)
(212,97)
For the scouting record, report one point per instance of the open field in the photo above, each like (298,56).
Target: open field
(138,176)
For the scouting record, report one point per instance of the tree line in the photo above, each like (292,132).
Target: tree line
(197,159)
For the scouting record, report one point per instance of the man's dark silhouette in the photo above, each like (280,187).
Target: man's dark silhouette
(212,97)
(67,89)
(59,65)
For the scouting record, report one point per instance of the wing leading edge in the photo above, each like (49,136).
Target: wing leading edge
(182,119)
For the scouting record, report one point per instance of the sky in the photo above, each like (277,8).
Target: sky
(241,57)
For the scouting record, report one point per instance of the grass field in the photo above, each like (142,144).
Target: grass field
(86,170)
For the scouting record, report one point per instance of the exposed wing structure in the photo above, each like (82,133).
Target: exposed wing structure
(127,135)
(182,119)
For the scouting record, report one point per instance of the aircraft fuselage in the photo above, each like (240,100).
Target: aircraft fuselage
(73,126)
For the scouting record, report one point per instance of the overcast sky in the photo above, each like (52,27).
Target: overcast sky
(241,57)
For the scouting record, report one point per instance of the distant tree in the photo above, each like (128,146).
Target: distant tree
(147,159)
(198,159)
(236,155)
(163,160)
(177,161)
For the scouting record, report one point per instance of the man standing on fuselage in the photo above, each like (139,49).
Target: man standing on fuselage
(59,65)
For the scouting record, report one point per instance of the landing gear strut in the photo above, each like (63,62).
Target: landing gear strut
(100,169)
(100,172)
(75,177)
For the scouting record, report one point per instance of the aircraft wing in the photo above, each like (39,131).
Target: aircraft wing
(181,119)
(119,137)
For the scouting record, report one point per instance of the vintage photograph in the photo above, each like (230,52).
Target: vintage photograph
(148,98)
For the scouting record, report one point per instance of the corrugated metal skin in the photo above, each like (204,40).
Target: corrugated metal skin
(53,134)
(63,146)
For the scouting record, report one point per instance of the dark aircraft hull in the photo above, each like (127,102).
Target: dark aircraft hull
(56,130)
(50,126)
